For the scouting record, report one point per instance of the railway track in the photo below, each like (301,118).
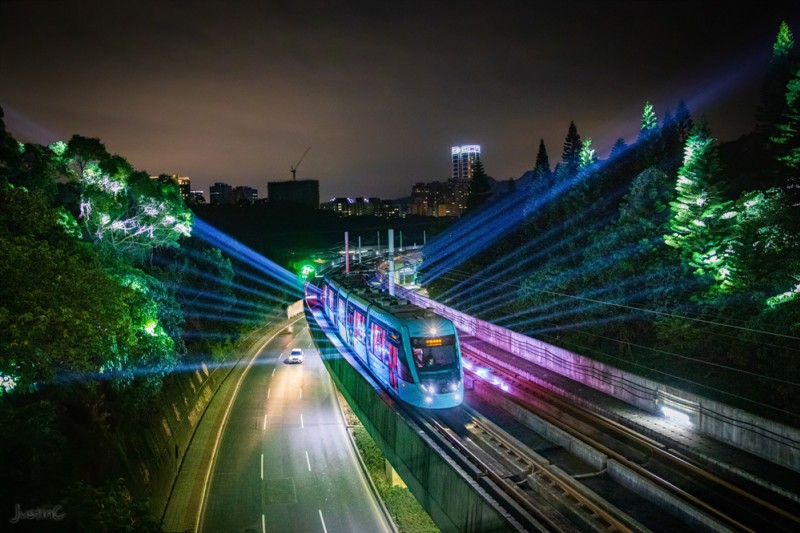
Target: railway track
(718,503)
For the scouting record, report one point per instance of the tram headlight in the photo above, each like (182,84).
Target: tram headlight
(428,399)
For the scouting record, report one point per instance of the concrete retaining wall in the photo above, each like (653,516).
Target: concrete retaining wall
(672,505)
(771,440)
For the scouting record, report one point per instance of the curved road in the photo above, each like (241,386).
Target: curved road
(285,461)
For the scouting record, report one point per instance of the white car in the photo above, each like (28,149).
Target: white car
(296,356)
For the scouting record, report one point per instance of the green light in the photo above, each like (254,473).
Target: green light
(307,271)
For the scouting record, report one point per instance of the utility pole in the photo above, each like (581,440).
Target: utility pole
(346,254)
(391,262)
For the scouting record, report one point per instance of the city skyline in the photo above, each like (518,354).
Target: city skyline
(368,101)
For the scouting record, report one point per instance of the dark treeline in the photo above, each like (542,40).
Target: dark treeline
(105,297)
(677,257)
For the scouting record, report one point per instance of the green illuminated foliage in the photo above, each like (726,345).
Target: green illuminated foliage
(649,121)
(587,155)
(701,221)
(59,312)
(784,42)
(129,212)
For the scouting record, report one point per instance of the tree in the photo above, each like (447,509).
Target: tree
(587,155)
(480,187)
(782,67)
(787,140)
(570,157)
(59,311)
(541,181)
(618,148)
(9,151)
(700,220)
(125,212)
(541,169)
(81,151)
(766,254)
(649,122)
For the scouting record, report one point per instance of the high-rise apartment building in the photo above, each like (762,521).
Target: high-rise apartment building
(220,193)
(464,158)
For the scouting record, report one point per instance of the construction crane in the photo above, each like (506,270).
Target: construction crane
(294,167)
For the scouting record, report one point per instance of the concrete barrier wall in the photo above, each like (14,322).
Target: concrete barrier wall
(453,501)
(771,440)
(650,491)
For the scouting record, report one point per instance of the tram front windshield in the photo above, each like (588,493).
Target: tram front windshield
(434,353)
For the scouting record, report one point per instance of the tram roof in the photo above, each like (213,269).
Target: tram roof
(391,305)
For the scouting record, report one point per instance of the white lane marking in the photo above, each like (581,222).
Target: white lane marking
(301,421)
(321,519)
(204,495)
(262,466)
(273,370)
(265,422)
(301,393)
(308,462)
(268,391)
(263,524)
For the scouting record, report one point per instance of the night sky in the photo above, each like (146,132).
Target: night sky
(379,91)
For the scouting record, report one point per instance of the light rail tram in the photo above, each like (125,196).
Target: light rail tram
(413,352)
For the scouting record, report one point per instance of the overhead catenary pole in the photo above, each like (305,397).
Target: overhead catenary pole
(391,262)
(346,254)
(359,249)
(379,243)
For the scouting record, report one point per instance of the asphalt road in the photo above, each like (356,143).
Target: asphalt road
(285,462)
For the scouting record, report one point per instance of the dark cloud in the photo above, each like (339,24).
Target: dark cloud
(236,91)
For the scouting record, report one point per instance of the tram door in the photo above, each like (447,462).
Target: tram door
(393,366)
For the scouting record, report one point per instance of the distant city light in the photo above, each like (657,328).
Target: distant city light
(467,148)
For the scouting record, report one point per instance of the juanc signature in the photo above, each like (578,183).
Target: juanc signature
(41,513)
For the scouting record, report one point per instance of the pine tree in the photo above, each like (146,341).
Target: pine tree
(782,66)
(787,139)
(701,222)
(571,155)
(541,181)
(480,186)
(542,167)
(618,148)
(649,122)
(587,155)
(683,122)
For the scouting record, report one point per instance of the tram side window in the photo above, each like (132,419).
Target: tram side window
(377,337)
(340,313)
(359,326)
(350,313)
